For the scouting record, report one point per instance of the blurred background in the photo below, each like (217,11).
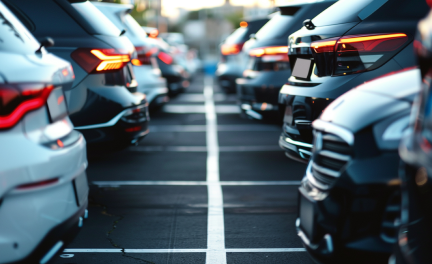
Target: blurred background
(204,24)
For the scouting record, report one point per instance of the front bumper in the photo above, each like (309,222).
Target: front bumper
(352,220)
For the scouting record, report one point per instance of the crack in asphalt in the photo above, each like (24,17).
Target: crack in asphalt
(114,226)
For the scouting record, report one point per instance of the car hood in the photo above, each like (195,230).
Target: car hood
(374,100)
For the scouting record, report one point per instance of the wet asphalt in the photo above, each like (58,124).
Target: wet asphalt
(175,217)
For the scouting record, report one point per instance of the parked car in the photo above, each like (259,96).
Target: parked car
(232,62)
(349,199)
(351,42)
(175,74)
(145,67)
(415,233)
(43,190)
(102,101)
(268,68)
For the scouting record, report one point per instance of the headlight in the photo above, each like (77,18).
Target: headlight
(389,132)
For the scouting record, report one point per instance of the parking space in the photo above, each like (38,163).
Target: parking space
(191,191)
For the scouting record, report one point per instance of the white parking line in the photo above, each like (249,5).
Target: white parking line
(203,148)
(215,219)
(237,250)
(199,109)
(195,97)
(222,128)
(193,183)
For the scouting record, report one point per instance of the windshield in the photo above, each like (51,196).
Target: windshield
(96,19)
(14,37)
(275,28)
(343,11)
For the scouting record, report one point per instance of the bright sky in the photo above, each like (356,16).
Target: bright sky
(169,7)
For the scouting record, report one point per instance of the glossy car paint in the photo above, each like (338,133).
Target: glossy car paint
(148,77)
(415,233)
(97,102)
(35,219)
(232,66)
(350,195)
(306,99)
(258,90)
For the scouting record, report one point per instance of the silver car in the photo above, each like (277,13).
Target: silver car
(43,184)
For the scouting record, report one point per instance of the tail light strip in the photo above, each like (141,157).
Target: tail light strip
(231,49)
(100,60)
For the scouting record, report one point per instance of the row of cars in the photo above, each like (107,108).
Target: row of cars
(366,193)
(75,75)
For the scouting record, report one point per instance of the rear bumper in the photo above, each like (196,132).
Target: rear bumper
(226,74)
(56,239)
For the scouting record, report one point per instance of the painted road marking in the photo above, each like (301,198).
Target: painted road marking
(199,97)
(222,128)
(193,183)
(203,250)
(215,221)
(199,109)
(204,148)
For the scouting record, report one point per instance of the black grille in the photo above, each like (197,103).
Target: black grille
(329,161)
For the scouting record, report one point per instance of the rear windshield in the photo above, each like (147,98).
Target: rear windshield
(238,36)
(133,27)
(277,27)
(100,24)
(14,37)
(343,11)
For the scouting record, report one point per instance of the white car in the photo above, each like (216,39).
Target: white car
(43,184)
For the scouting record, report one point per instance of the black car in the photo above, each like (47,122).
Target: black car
(268,67)
(103,103)
(349,199)
(232,62)
(415,233)
(351,42)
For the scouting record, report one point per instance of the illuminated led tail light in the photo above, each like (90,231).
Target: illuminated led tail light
(38,184)
(18,99)
(166,58)
(231,49)
(356,53)
(144,55)
(271,54)
(100,60)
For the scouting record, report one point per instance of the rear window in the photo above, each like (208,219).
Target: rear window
(343,11)
(14,37)
(275,28)
(238,36)
(98,22)
(133,27)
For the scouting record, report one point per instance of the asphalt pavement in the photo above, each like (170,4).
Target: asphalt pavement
(205,186)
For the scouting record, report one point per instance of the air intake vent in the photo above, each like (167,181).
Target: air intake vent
(391,216)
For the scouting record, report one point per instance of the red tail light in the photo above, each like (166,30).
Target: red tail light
(19,99)
(100,60)
(144,55)
(38,184)
(166,58)
(271,54)
(231,49)
(354,54)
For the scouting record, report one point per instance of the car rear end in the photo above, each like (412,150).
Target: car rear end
(145,67)
(43,195)
(348,44)
(232,62)
(103,101)
(268,67)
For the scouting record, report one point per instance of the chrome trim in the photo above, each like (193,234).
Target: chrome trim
(112,122)
(302,152)
(253,114)
(298,143)
(333,155)
(302,122)
(329,242)
(312,179)
(326,171)
(327,127)
(246,107)
(285,145)
(48,256)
